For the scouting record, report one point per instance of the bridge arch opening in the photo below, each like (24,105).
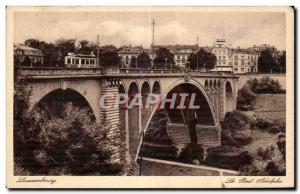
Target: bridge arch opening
(145,92)
(133,89)
(229,97)
(54,102)
(210,83)
(156,88)
(169,126)
(179,115)
(134,120)
(206,84)
(122,107)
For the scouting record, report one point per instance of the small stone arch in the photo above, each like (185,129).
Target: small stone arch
(156,88)
(145,90)
(214,83)
(210,83)
(206,84)
(229,97)
(133,89)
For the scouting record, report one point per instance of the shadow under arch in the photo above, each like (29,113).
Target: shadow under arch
(229,97)
(54,101)
(169,89)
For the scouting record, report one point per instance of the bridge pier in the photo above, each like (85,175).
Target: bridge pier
(110,114)
(221,100)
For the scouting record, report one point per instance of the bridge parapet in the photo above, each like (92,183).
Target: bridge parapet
(62,72)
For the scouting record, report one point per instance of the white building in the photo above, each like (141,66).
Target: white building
(81,61)
(234,60)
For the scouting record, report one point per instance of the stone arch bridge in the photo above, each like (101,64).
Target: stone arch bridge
(217,95)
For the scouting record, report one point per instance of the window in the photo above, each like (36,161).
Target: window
(242,69)
(92,61)
(68,60)
(87,61)
(73,61)
(82,61)
(236,69)
(77,61)
(236,63)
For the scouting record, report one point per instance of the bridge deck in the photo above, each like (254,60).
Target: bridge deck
(58,73)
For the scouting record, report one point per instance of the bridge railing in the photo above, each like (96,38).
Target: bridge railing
(63,71)
(59,71)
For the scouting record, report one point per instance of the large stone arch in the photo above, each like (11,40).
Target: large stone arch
(53,101)
(177,83)
(88,89)
(195,83)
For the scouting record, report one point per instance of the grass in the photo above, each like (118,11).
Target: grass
(271,106)
(260,139)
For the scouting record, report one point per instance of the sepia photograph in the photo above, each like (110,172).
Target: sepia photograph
(160,94)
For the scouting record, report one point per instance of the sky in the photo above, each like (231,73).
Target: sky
(243,29)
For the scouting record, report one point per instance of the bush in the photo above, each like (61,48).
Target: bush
(268,162)
(236,129)
(228,157)
(281,144)
(265,85)
(261,124)
(272,127)
(191,153)
(245,99)
(72,145)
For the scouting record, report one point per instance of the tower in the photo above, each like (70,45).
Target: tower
(153,24)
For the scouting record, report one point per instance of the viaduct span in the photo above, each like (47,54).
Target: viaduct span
(217,95)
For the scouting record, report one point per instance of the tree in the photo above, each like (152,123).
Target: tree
(86,47)
(282,62)
(205,60)
(143,60)
(266,62)
(133,62)
(64,46)
(164,59)
(108,56)
(49,50)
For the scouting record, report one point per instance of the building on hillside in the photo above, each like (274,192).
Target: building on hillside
(234,60)
(262,47)
(244,61)
(28,56)
(222,52)
(181,53)
(81,61)
(126,53)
